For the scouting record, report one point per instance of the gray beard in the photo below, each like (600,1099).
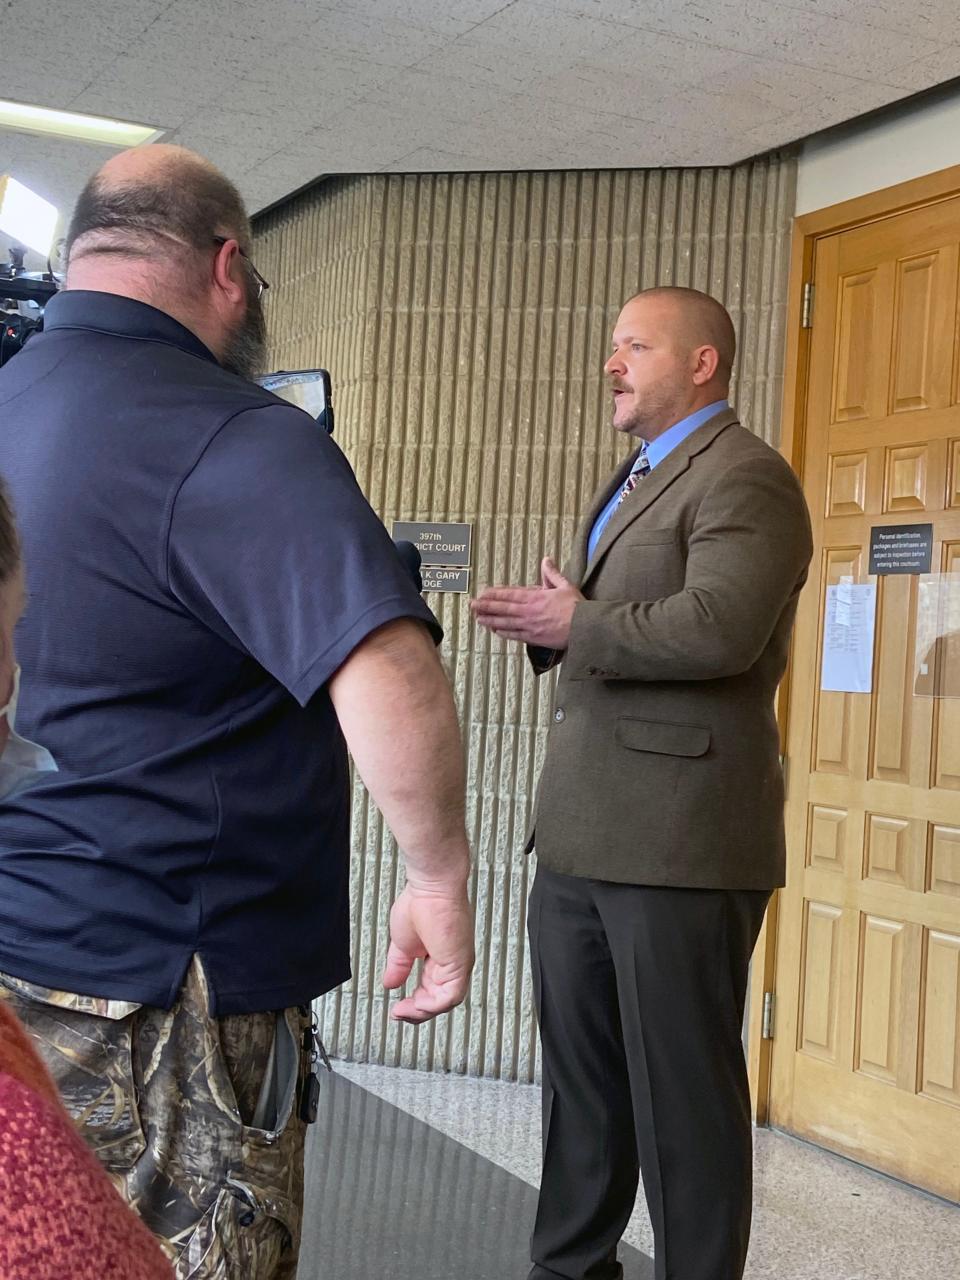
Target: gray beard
(245,353)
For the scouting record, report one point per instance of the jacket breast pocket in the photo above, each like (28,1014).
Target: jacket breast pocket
(650,538)
(651,562)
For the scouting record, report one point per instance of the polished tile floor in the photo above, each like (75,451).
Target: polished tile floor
(423,1177)
(393,1196)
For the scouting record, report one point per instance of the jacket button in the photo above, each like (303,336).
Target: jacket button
(559,715)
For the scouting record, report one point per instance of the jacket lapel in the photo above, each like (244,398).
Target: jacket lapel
(649,489)
(614,483)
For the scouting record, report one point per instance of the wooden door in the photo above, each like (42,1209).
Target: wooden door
(866,1052)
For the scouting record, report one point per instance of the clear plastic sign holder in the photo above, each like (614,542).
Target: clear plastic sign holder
(937,652)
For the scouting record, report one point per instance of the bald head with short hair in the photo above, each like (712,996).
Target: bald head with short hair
(702,321)
(141,200)
(673,353)
(162,225)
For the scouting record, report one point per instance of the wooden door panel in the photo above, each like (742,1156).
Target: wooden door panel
(943,860)
(894,851)
(887,982)
(863,346)
(847,487)
(828,838)
(820,989)
(905,481)
(953,491)
(924,309)
(896,754)
(867,1053)
(940,1052)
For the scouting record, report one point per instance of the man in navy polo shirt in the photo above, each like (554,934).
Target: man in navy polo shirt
(215,615)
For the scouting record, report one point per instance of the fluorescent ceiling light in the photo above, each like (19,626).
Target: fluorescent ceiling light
(67,124)
(26,217)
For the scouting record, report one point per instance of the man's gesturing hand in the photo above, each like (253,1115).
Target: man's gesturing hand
(434,925)
(536,615)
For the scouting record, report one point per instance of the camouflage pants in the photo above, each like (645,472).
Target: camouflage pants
(195,1118)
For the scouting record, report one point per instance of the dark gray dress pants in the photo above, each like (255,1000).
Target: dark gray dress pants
(640,996)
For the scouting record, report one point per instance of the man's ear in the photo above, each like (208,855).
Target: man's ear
(227,269)
(706,362)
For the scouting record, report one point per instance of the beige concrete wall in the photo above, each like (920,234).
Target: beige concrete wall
(465,320)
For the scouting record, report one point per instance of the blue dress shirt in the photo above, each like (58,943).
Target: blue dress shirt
(657,450)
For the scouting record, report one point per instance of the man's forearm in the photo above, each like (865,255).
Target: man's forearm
(398,716)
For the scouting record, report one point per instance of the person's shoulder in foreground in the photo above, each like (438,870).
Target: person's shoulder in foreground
(59,1215)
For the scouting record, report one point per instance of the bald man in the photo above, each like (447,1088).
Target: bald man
(216,614)
(659,821)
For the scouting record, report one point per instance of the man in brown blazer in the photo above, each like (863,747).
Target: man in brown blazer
(659,822)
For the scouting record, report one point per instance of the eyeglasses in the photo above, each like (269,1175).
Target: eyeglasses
(262,285)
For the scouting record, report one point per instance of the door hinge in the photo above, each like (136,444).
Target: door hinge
(766,1028)
(806,311)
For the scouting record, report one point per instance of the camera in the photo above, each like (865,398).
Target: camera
(308,389)
(23,296)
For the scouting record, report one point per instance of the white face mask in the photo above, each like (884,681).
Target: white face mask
(20,760)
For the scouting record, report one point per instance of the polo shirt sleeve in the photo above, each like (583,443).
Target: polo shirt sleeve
(272,545)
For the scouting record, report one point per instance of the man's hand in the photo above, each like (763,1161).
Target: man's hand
(536,615)
(435,925)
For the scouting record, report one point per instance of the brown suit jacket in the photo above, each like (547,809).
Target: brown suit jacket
(662,765)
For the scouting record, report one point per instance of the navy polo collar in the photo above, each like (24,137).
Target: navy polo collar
(125,317)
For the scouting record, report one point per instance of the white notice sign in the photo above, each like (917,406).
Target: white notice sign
(848,638)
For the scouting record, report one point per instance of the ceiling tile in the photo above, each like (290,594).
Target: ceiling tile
(451,18)
(37,83)
(361,34)
(803,35)
(932,69)
(279,93)
(930,19)
(539,32)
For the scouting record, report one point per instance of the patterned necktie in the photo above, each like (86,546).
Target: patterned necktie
(640,468)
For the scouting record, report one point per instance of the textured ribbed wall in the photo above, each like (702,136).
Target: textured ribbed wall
(465,320)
